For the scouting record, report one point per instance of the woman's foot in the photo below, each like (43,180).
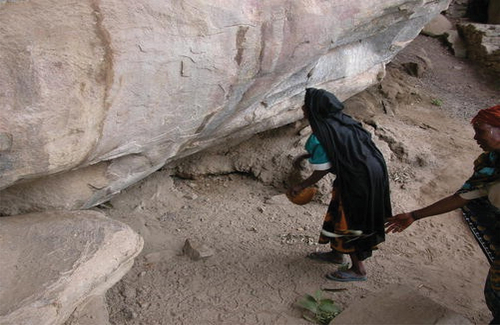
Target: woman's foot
(329,257)
(346,276)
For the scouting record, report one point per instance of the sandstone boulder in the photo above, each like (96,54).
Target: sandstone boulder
(437,26)
(482,42)
(54,262)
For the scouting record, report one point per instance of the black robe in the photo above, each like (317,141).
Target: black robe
(359,166)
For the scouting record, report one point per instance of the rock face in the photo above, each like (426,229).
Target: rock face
(437,26)
(107,92)
(54,262)
(483,44)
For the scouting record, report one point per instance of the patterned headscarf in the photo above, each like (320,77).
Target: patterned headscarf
(489,116)
(487,165)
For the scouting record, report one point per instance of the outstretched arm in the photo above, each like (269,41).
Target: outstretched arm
(402,221)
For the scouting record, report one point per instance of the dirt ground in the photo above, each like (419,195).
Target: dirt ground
(231,201)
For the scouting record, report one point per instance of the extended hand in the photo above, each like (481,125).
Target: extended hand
(398,222)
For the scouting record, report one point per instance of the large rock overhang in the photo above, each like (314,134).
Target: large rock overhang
(124,89)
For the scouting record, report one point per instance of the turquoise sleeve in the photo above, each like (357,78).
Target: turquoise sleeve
(317,152)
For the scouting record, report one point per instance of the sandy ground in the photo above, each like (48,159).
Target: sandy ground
(259,240)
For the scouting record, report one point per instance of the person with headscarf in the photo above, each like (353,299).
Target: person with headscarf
(479,200)
(354,222)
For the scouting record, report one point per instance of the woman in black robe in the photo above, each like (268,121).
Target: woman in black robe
(354,223)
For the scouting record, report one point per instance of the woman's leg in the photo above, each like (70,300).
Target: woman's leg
(357,265)
(330,223)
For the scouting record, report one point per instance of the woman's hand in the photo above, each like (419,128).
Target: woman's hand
(402,221)
(297,161)
(399,222)
(310,181)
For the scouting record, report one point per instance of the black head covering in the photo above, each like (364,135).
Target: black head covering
(323,102)
(361,172)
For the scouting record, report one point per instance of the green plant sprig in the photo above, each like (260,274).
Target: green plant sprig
(321,310)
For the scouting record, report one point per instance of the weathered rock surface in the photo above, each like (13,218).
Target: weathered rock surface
(437,26)
(483,44)
(456,43)
(54,262)
(121,89)
(94,312)
(196,249)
